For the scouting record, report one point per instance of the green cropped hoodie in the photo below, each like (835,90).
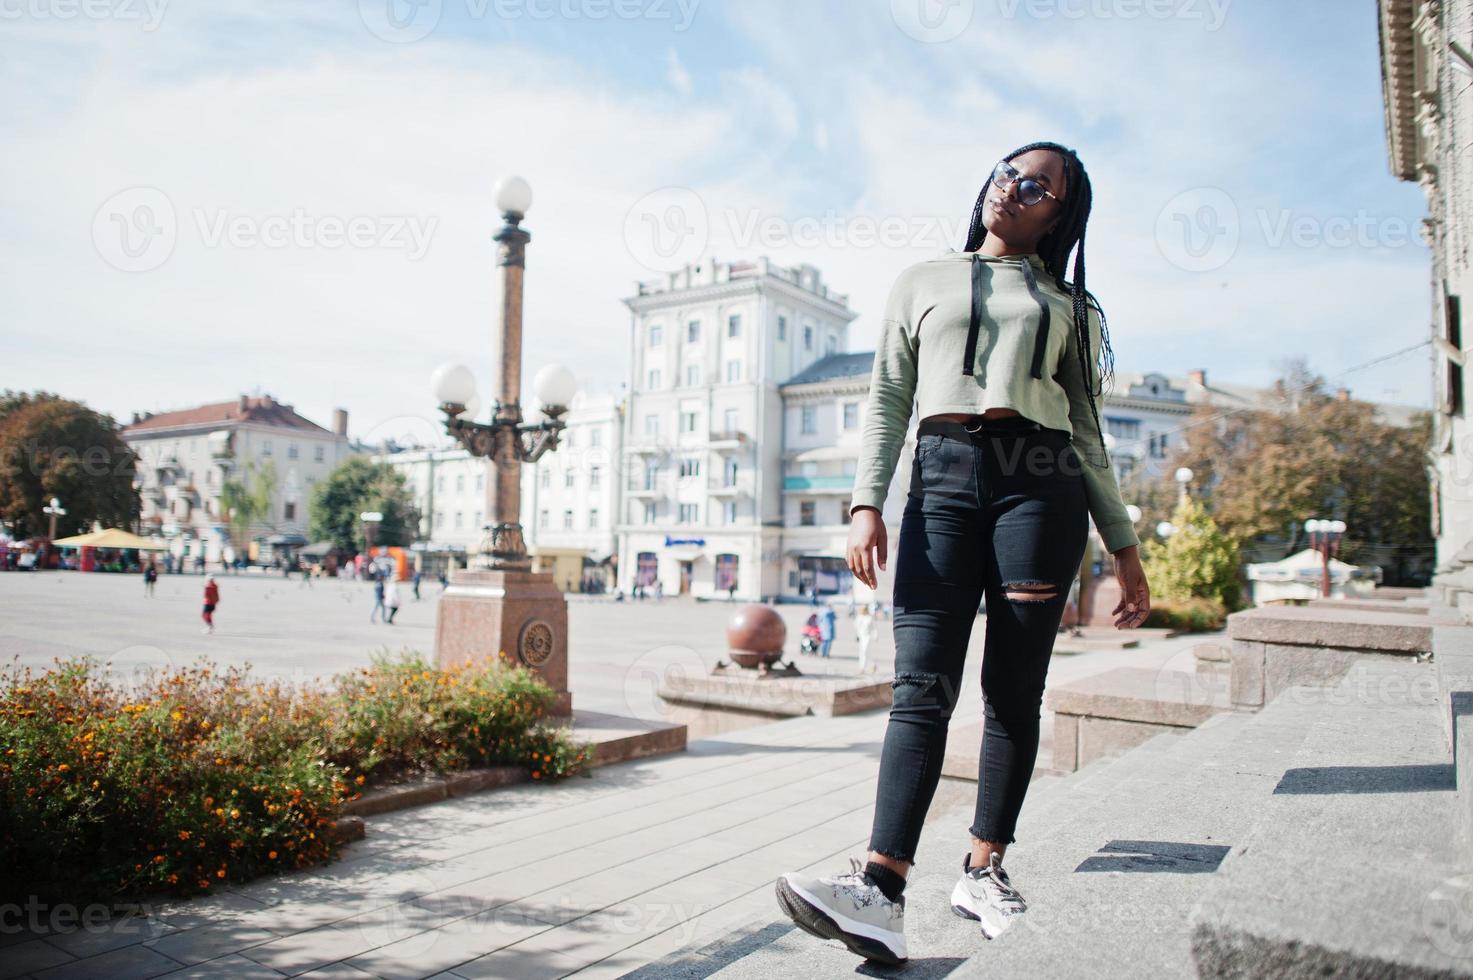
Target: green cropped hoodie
(966,332)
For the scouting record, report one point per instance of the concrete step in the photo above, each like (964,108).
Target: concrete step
(1353,868)
(940,942)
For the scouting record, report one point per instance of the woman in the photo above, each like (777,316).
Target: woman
(998,350)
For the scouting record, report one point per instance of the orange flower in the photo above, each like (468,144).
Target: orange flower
(271,855)
(184,835)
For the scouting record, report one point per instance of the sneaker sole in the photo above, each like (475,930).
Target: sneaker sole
(812,919)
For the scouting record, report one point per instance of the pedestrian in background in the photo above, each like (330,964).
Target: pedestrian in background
(150,576)
(212,599)
(416,584)
(391,598)
(378,600)
(864,632)
(827,621)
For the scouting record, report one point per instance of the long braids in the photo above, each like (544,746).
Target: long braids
(1054,249)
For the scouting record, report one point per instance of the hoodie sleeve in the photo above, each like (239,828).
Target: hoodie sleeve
(891,396)
(1101,490)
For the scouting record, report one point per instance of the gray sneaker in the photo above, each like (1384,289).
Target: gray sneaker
(986,894)
(848,908)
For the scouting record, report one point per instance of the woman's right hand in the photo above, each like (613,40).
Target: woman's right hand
(866,542)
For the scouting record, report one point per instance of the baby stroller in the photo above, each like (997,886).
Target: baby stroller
(811,637)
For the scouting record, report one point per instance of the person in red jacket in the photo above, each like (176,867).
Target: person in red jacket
(212,599)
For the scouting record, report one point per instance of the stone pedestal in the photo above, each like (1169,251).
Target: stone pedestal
(483,613)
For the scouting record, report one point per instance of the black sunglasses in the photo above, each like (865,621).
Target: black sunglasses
(1030,191)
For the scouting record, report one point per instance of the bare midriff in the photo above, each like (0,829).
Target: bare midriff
(991,413)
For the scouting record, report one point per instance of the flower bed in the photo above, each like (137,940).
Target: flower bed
(186,779)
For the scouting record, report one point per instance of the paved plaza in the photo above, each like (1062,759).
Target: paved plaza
(594,877)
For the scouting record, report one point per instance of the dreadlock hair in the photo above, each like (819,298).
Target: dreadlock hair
(1054,249)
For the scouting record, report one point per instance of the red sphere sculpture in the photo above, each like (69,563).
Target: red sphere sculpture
(755,635)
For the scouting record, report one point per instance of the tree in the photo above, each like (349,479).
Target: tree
(1310,454)
(1197,561)
(246,503)
(357,485)
(53,447)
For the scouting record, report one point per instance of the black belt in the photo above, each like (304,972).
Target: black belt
(1005,425)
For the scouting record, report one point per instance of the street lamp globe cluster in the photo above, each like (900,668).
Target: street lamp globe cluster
(506,440)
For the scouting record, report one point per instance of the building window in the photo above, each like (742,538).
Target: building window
(1156,445)
(1123,429)
(690,466)
(567,520)
(458,518)
(693,375)
(265,447)
(317,454)
(688,513)
(542,518)
(851,415)
(646,568)
(806,513)
(596,438)
(733,371)
(477,519)
(593,519)
(728,511)
(440,484)
(291,450)
(649,512)
(693,331)
(689,421)
(569,438)
(651,474)
(439,517)
(734,325)
(830,344)
(809,423)
(480,481)
(545,477)
(289,511)
(729,472)
(593,478)
(656,335)
(460,483)
(651,425)
(726,572)
(731,419)
(807,337)
(569,479)
(653,382)
(782,328)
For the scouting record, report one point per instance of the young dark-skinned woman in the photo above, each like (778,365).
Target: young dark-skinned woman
(998,350)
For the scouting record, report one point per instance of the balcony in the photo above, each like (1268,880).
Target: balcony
(644,491)
(818,484)
(729,440)
(721,486)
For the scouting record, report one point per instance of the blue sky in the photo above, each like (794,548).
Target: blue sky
(1244,212)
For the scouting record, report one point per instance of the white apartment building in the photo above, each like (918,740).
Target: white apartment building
(710,345)
(569,497)
(186,456)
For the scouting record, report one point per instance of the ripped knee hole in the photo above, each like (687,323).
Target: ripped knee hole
(1029,591)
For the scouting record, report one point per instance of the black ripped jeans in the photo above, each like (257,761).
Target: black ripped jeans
(997,511)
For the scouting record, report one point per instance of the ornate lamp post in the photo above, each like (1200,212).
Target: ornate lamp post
(53,510)
(1324,537)
(1184,476)
(498,605)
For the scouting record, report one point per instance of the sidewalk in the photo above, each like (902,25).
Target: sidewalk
(593,877)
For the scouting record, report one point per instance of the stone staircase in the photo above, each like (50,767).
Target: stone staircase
(1325,834)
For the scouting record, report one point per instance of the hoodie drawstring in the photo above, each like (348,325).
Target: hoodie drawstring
(974,325)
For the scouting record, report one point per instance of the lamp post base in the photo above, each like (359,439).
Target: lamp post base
(485,612)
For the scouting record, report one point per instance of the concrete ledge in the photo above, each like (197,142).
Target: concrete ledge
(1275,648)
(345,830)
(1318,626)
(781,697)
(619,738)
(1111,712)
(1409,606)
(432,789)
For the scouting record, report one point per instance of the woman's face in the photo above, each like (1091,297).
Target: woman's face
(1005,216)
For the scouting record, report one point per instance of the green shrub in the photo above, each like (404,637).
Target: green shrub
(1198,561)
(195,777)
(1191,615)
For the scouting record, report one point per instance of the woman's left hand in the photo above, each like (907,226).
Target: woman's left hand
(1135,592)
